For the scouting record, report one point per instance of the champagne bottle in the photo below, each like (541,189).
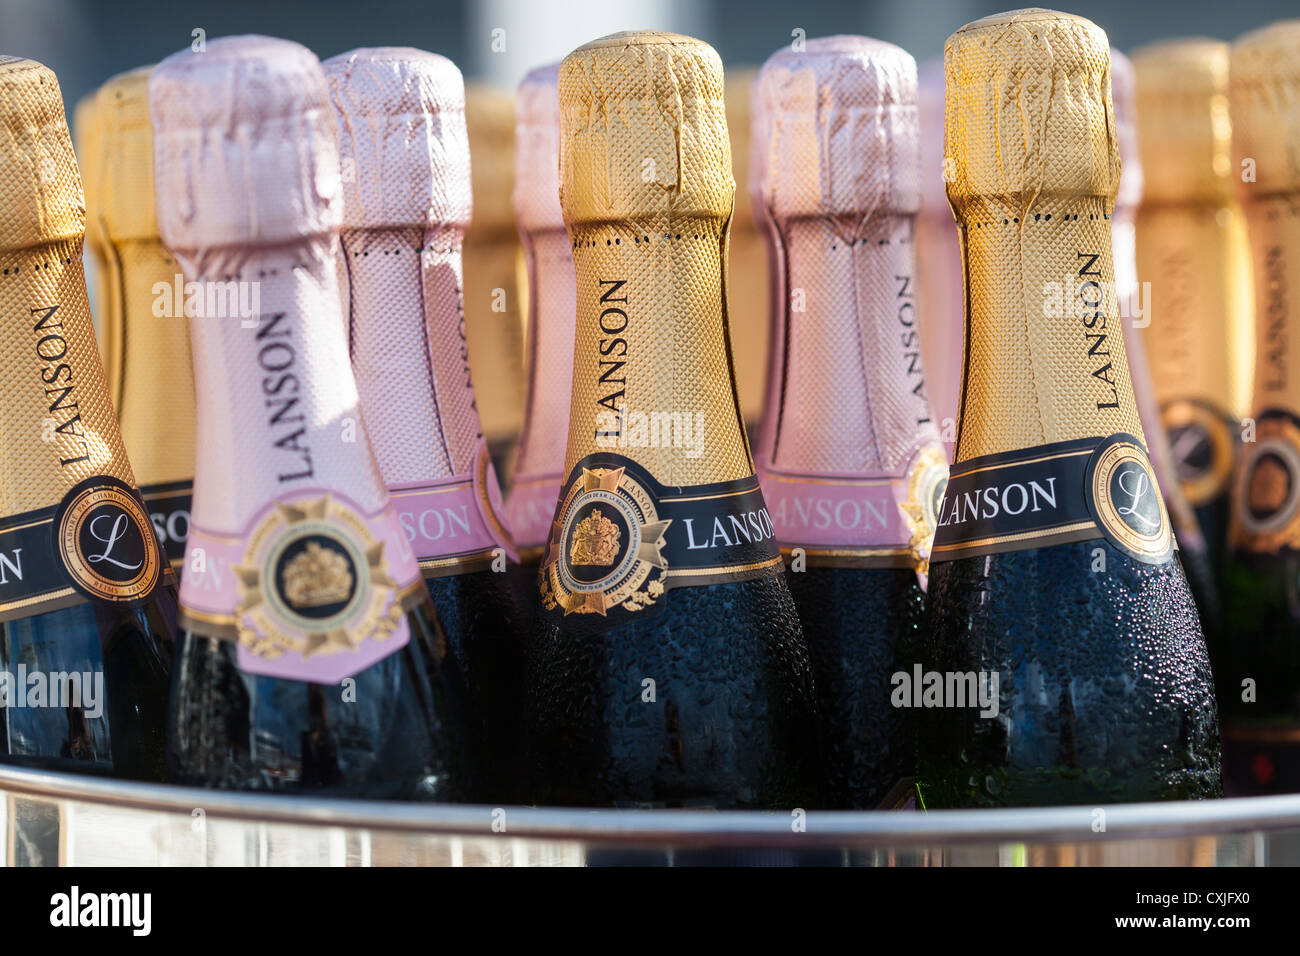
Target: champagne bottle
(1191,248)
(87,599)
(155,411)
(851,462)
(1260,682)
(747,255)
(494,285)
(667,666)
(938,264)
(1198,564)
(406,200)
(548,258)
(1063,660)
(311,658)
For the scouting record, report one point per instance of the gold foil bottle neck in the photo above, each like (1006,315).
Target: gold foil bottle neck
(1030,130)
(644,118)
(87,140)
(1185,133)
(58,426)
(1028,113)
(156,411)
(44,201)
(126,203)
(496,288)
(1265,96)
(490,118)
(647,194)
(747,253)
(738,93)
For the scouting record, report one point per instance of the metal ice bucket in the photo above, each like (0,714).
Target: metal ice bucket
(51,818)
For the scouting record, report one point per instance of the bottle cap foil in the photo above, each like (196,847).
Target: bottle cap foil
(126,202)
(1184,129)
(1265,94)
(537,151)
(403,148)
(1123,84)
(841,130)
(490,116)
(1028,112)
(43,199)
(245,145)
(644,130)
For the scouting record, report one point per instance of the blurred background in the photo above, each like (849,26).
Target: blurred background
(86,41)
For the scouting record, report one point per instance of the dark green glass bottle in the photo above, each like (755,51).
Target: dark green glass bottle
(1063,661)
(850,456)
(1259,676)
(667,666)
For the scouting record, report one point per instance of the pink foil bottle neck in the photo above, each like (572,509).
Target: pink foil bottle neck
(405,161)
(552,301)
(247,186)
(837,176)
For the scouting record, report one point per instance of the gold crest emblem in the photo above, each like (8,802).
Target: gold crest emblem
(634,581)
(316,577)
(595,541)
(273,619)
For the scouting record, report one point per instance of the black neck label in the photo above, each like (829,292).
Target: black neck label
(169,510)
(620,540)
(1053,494)
(98,544)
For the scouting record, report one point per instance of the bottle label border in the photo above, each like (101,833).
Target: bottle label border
(1069,491)
(56,574)
(620,541)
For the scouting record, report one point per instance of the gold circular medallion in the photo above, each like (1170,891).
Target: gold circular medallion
(927,480)
(1125,500)
(606,548)
(314,580)
(107,541)
(1202,442)
(1267,492)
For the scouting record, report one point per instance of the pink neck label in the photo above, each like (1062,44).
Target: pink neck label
(314,589)
(531,508)
(453,525)
(862,520)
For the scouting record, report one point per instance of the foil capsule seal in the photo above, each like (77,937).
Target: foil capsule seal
(851,434)
(405,165)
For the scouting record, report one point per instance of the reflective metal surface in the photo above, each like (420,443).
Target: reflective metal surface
(51,818)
